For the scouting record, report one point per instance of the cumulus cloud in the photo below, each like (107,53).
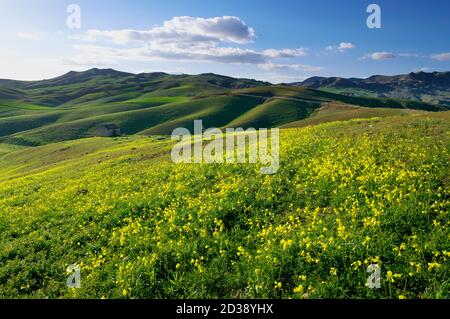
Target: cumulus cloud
(341,47)
(217,39)
(31,35)
(379,56)
(183,30)
(441,56)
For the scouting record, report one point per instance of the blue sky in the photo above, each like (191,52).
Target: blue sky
(277,41)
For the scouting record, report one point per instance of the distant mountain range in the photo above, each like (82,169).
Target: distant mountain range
(419,86)
(82,104)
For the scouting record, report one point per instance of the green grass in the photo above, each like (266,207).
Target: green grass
(24,106)
(17,108)
(348,194)
(18,160)
(157,100)
(15,124)
(8,148)
(274,112)
(214,112)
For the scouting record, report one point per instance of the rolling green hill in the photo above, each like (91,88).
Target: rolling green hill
(76,104)
(74,88)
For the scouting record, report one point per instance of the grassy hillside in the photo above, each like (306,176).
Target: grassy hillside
(348,194)
(7,148)
(336,111)
(74,105)
(163,119)
(273,112)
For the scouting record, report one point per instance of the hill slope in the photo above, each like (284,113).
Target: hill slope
(336,111)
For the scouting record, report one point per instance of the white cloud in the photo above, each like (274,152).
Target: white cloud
(183,30)
(31,35)
(293,67)
(379,56)
(92,54)
(341,47)
(181,39)
(388,55)
(346,46)
(408,55)
(285,53)
(441,56)
(227,28)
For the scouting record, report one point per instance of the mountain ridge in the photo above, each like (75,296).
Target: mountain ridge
(432,87)
(109,72)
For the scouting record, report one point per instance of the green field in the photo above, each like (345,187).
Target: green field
(348,194)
